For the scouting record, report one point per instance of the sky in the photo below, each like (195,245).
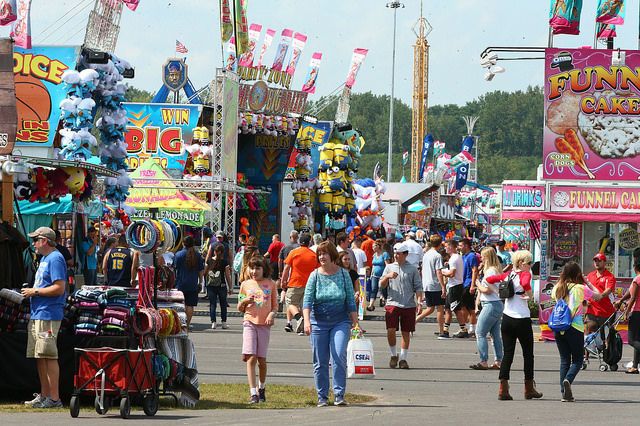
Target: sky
(462,29)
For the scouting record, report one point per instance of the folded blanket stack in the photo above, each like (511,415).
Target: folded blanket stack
(89,312)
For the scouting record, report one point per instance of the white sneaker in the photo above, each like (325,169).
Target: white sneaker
(213,325)
(49,403)
(224,326)
(628,365)
(35,401)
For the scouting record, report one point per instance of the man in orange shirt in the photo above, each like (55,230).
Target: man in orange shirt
(298,266)
(367,246)
(599,306)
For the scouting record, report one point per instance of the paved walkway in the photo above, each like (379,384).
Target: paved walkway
(439,387)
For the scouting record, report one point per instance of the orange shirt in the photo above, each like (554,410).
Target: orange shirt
(367,247)
(303,262)
(265,297)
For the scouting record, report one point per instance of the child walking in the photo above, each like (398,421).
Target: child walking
(258,300)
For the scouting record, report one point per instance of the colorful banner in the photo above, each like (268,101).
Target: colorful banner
(611,12)
(226,27)
(242,26)
(438,149)
(229,129)
(231,63)
(319,133)
(283,48)
(427,143)
(8,11)
(523,197)
(591,115)
(268,39)
(131,4)
(299,40)
(309,85)
(564,16)
(21,31)
(462,158)
(159,132)
(246,59)
(467,143)
(39,91)
(462,174)
(605,31)
(356,61)
(611,199)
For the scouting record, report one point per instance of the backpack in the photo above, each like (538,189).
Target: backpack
(237,261)
(506,289)
(560,319)
(612,352)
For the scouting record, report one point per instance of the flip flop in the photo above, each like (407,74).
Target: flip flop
(494,366)
(632,371)
(478,366)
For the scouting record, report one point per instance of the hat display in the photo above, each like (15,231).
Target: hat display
(45,232)
(400,248)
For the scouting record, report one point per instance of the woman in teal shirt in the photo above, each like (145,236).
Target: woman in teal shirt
(329,311)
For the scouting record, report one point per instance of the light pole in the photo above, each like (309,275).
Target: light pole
(392,5)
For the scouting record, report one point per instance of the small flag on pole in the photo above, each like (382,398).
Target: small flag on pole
(181,48)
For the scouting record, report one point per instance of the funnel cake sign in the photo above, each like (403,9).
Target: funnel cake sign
(592,109)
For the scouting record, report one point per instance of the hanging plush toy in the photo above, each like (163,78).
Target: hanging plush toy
(244,226)
(76,181)
(57,183)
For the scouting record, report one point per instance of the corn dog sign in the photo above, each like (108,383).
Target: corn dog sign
(592,115)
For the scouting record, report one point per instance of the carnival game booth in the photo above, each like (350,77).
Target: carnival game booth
(576,221)
(408,205)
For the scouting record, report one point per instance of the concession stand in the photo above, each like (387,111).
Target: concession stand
(588,200)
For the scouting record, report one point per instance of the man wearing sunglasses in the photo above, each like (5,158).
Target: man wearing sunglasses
(599,306)
(47,306)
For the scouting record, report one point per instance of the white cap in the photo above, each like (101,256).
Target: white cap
(400,248)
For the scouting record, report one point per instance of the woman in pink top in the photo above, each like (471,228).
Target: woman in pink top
(258,300)
(634,320)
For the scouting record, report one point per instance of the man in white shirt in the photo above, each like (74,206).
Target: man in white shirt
(435,291)
(342,244)
(455,291)
(361,256)
(415,249)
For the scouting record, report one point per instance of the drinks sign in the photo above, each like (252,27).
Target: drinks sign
(516,197)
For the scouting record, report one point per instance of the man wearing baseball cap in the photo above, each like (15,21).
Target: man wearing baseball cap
(599,306)
(47,306)
(404,286)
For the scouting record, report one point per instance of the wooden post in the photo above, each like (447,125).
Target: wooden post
(7,198)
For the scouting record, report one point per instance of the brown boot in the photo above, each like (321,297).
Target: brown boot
(503,393)
(530,390)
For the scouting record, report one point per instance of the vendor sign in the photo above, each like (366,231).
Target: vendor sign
(159,131)
(592,103)
(521,197)
(573,199)
(319,133)
(39,90)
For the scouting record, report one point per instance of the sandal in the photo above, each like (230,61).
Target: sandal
(632,371)
(495,366)
(478,366)
(371,308)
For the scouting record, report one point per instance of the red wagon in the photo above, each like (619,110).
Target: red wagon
(112,374)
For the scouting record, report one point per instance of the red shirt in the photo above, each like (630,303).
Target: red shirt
(603,307)
(274,250)
(367,247)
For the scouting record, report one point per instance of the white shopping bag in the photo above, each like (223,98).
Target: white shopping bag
(360,359)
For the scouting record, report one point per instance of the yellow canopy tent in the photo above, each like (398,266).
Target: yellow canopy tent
(170,202)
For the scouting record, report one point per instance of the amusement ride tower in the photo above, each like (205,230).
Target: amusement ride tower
(422,28)
(103,26)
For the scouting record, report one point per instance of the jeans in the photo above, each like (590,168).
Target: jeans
(634,336)
(90,276)
(329,341)
(215,294)
(373,292)
(514,329)
(489,321)
(571,347)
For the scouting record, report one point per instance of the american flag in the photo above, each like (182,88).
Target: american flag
(181,48)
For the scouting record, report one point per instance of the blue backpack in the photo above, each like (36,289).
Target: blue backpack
(560,319)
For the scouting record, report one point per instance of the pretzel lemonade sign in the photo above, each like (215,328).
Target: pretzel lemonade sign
(592,109)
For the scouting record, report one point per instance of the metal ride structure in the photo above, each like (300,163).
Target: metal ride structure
(103,26)
(420,92)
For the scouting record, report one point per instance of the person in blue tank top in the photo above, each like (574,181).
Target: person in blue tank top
(47,309)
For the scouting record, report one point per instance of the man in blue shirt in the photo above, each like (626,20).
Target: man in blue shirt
(47,306)
(89,254)
(470,274)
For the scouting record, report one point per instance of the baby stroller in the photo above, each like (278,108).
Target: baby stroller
(605,344)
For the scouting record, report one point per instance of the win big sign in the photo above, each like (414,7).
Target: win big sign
(159,132)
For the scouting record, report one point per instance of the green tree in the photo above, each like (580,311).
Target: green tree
(138,95)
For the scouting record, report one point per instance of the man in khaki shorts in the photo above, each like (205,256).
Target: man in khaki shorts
(47,305)
(298,266)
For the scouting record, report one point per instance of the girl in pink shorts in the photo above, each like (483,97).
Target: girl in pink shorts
(258,300)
